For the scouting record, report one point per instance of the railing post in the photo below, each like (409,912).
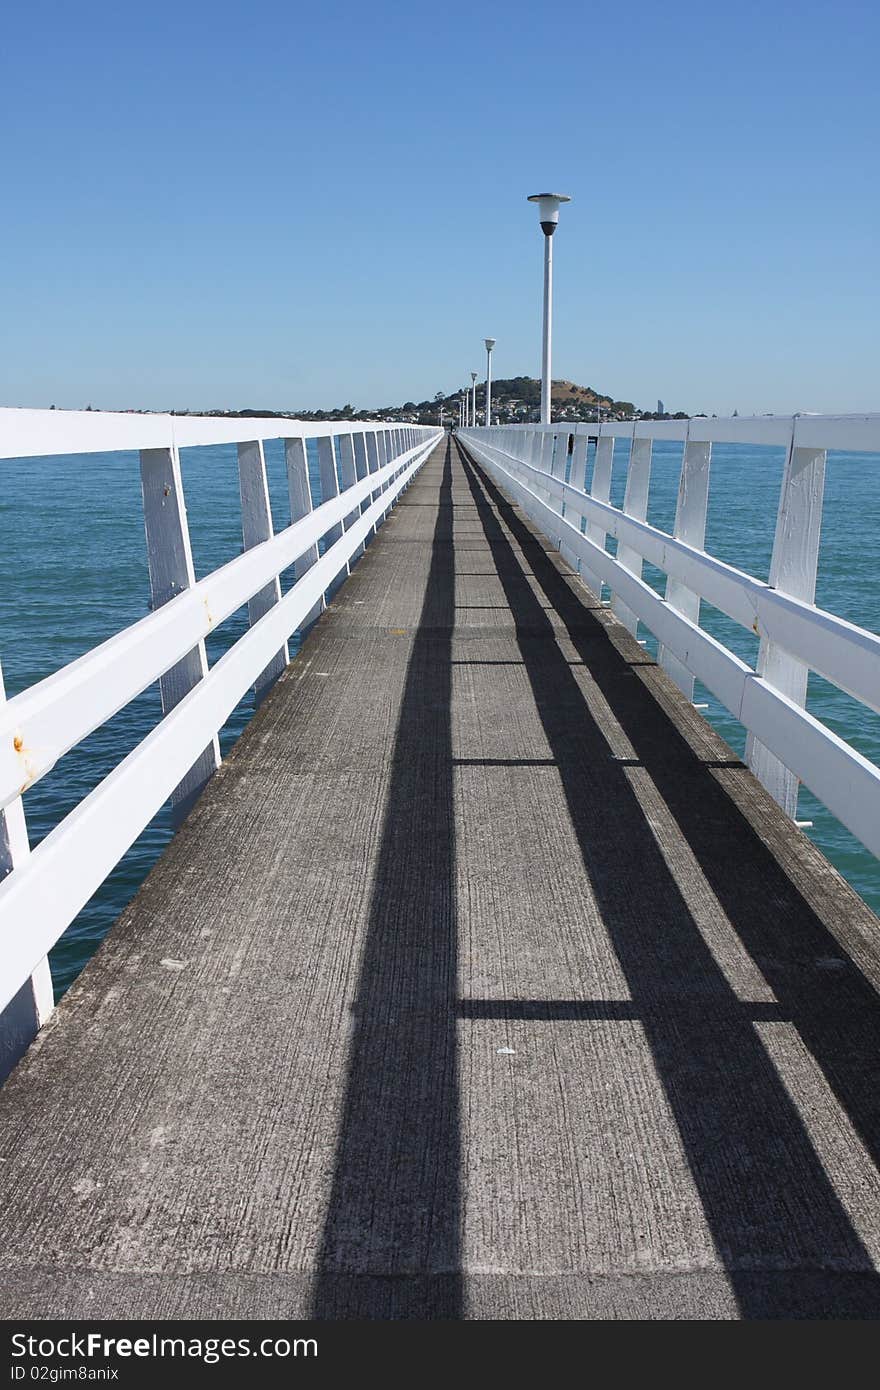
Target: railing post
(393,454)
(300,491)
(329,480)
(361,467)
(601,491)
(374,462)
(256,527)
(170,563)
(545,456)
(578,471)
(635,504)
(362,458)
(561,453)
(542,460)
(690,526)
(793,568)
(347,479)
(561,449)
(383,446)
(28,1010)
(576,477)
(403,445)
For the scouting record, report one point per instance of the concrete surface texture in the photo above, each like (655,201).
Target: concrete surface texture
(483,981)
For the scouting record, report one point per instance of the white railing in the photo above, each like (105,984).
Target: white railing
(785,744)
(363,470)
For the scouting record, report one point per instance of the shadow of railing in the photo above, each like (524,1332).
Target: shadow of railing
(390,1244)
(774,1213)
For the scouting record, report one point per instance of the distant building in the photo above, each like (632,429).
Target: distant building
(661,408)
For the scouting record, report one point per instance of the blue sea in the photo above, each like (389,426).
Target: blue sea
(73,572)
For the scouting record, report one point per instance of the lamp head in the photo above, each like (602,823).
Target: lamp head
(473,376)
(490,343)
(548,209)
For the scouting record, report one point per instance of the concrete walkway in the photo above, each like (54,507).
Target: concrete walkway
(483,981)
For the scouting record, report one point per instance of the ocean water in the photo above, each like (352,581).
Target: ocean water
(73,572)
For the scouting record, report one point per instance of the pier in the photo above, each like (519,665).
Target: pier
(481,979)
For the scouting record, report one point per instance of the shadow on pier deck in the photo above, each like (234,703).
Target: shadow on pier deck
(483,981)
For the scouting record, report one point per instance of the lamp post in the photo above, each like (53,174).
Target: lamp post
(490,343)
(548,211)
(473,400)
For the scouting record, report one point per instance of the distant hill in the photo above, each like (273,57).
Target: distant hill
(528,389)
(564,394)
(514,399)
(519,398)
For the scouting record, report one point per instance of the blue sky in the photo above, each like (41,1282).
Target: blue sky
(279,205)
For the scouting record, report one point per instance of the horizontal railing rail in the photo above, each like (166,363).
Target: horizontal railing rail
(541,466)
(363,470)
(850,433)
(41,433)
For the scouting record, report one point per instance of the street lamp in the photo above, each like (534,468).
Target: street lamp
(473,400)
(548,211)
(490,343)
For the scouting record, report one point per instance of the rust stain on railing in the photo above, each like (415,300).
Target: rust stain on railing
(32,773)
